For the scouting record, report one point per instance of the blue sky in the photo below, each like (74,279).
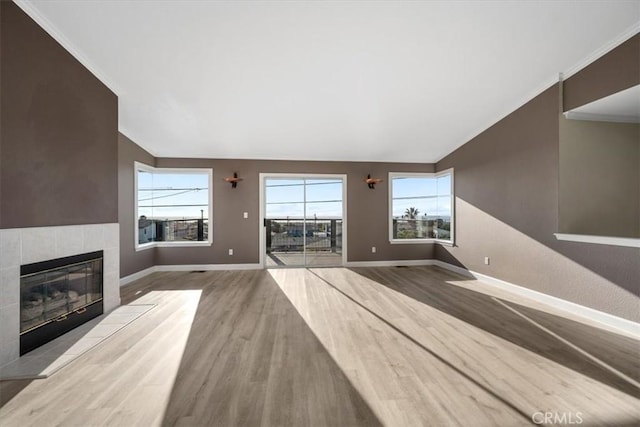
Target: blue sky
(155,191)
(285,198)
(430,196)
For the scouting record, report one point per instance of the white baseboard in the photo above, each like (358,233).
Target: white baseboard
(398,263)
(188,267)
(138,275)
(208,267)
(624,325)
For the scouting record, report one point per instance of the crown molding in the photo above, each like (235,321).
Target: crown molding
(603,50)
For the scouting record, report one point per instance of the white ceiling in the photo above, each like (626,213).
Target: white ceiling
(327,80)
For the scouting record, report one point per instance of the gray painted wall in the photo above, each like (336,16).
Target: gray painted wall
(599,178)
(506,187)
(58,132)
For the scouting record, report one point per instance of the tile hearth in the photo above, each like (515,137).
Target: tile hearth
(20,246)
(51,357)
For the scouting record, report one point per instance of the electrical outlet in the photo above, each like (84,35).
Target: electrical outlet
(373,249)
(245,215)
(230,251)
(486,260)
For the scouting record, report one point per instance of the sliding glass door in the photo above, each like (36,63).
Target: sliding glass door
(303,219)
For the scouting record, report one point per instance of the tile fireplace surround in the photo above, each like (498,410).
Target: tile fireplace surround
(19,246)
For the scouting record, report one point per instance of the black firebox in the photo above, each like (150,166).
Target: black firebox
(57,296)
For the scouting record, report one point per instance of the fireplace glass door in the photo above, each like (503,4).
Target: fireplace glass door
(55,296)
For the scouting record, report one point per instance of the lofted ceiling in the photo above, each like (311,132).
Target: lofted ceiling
(327,80)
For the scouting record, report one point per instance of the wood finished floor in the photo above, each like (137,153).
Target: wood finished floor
(334,347)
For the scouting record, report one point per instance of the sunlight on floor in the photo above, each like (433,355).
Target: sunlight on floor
(139,361)
(427,352)
(54,355)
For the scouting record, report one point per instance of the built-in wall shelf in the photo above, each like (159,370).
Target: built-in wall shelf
(600,240)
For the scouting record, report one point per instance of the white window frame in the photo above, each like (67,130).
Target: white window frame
(146,168)
(390,214)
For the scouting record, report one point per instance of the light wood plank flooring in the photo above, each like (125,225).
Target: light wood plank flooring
(335,347)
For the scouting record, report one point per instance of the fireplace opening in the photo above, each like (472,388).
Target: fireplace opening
(57,296)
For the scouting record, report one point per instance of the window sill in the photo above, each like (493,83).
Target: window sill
(172,245)
(420,241)
(600,240)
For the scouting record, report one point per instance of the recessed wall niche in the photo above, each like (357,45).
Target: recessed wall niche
(600,167)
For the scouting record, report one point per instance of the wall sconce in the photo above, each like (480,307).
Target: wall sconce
(233,180)
(371,182)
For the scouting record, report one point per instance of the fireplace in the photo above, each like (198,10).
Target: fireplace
(57,296)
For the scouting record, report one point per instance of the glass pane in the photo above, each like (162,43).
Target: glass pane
(323,190)
(404,228)
(285,242)
(413,187)
(444,206)
(146,230)
(324,210)
(324,242)
(145,185)
(421,207)
(414,208)
(56,286)
(285,210)
(32,299)
(444,185)
(443,228)
(172,206)
(145,193)
(284,190)
(177,196)
(286,235)
(94,281)
(77,286)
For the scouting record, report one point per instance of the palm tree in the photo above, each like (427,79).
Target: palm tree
(411,213)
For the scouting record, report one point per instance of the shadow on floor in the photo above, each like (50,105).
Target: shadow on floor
(251,359)
(10,389)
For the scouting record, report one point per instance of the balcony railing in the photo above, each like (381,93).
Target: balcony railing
(405,228)
(296,235)
(173,230)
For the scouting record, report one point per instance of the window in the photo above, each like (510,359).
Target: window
(421,207)
(173,206)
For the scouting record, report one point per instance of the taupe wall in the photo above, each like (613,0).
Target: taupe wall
(506,187)
(1,115)
(599,162)
(617,70)
(599,178)
(130,260)
(367,211)
(58,132)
